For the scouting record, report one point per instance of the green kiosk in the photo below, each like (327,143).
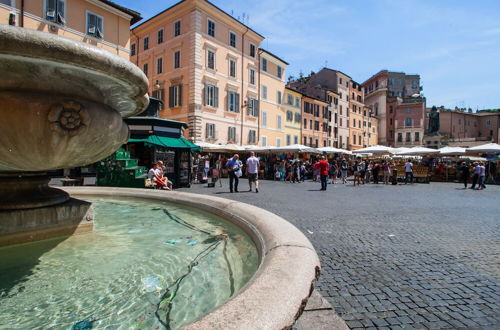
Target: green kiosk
(151,139)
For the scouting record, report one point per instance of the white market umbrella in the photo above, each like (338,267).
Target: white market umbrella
(376,150)
(255,148)
(484,148)
(295,148)
(419,151)
(205,146)
(451,151)
(397,151)
(331,150)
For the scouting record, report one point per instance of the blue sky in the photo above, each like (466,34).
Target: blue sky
(453,45)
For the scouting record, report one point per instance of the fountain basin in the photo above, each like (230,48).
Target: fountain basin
(288,264)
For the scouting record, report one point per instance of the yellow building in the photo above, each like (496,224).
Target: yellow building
(272,88)
(293,116)
(204,64)
(98,22)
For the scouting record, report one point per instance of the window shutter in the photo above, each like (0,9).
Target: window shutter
(237,102)
(229,134)
(207,128)
(180,95)
(205,95)
(216,97)
(50,10)
(256,108)
(171,96)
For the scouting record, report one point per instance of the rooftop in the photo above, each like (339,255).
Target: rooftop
(136,17)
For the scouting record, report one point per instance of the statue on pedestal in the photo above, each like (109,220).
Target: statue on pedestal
(433,122)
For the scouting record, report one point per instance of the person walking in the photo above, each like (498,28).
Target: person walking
(343,169)
(253,165)
(368,174)
(375,172)
(475,177)
(333,171)
(357,174)
(323,172)
(387,172)
(465,174)
(408,172)
(234,169)
(482,176)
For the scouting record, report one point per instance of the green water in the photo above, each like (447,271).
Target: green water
(141,268)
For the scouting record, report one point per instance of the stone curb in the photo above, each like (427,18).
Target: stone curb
(277,294)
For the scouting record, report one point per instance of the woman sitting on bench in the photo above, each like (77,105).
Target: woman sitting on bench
(156,175)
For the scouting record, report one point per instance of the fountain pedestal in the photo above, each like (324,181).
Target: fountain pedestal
(62,104)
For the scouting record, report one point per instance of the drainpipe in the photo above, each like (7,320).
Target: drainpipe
(21,16)
(258,99)
(242,85)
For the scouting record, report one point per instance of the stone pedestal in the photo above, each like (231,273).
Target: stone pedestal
(433,141)
(29,225)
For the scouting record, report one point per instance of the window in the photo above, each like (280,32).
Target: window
(211,96)
(146,43)
(297,102)
(278,121)
(264,65)
(132,50)
(340,122)
(316,145)
(390,82)
(159,65)
(232,68)
(289,116)
(408,110)
(310,141)
(359,140)
(289,99)
(278,97)
(279,72)
(231,134)
(252,77)
(211,59)
(390,121)
(305,123)
(340,82)
(264,92)
(400,137)
(94,25)
(305,140)
(159,37)
(295,139)
(264,141)
(55,11)
(278,142)
(252,136)
(316,125)
(252,50)
(145,69)
(408,137)
(177,28)
(175,96)
(417,136)
(253,107)
(288,139)
(408,122)
(354,122)
(414,83)
(210,131)
(232,39)
(177,59)
(211,28)
(264,119)
(233,102)
(391,109)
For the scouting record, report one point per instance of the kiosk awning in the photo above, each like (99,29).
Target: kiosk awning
(168,142)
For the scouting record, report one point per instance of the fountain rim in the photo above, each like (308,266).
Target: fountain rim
(278,291)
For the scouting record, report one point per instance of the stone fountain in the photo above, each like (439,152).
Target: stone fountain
(61,106)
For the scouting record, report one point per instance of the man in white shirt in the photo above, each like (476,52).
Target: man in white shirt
(253,171)
(408,172)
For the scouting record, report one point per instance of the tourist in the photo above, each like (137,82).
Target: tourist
(253,171)
(475,176)
(356,170)
(323,172)
(343,170)
(234,169)
(465,174)
(482,176)
(289,172)
(387,171)
(302,172)
(408,172)
(333,171)
(368,173)
(362,171)
(155,174)
(206,168)
(375,172)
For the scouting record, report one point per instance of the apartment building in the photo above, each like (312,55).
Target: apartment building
(204,65)
(356,117)
(272,90)
(314,122)
(390,94)
(100,23)
(292,105)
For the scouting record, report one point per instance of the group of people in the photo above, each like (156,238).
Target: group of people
(156,177)
(478,170)
(235,170)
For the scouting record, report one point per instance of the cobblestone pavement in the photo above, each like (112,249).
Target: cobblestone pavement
(406,256)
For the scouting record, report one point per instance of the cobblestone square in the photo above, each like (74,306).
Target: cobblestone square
(407,256)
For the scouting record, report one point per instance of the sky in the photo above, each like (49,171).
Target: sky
(453,44)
